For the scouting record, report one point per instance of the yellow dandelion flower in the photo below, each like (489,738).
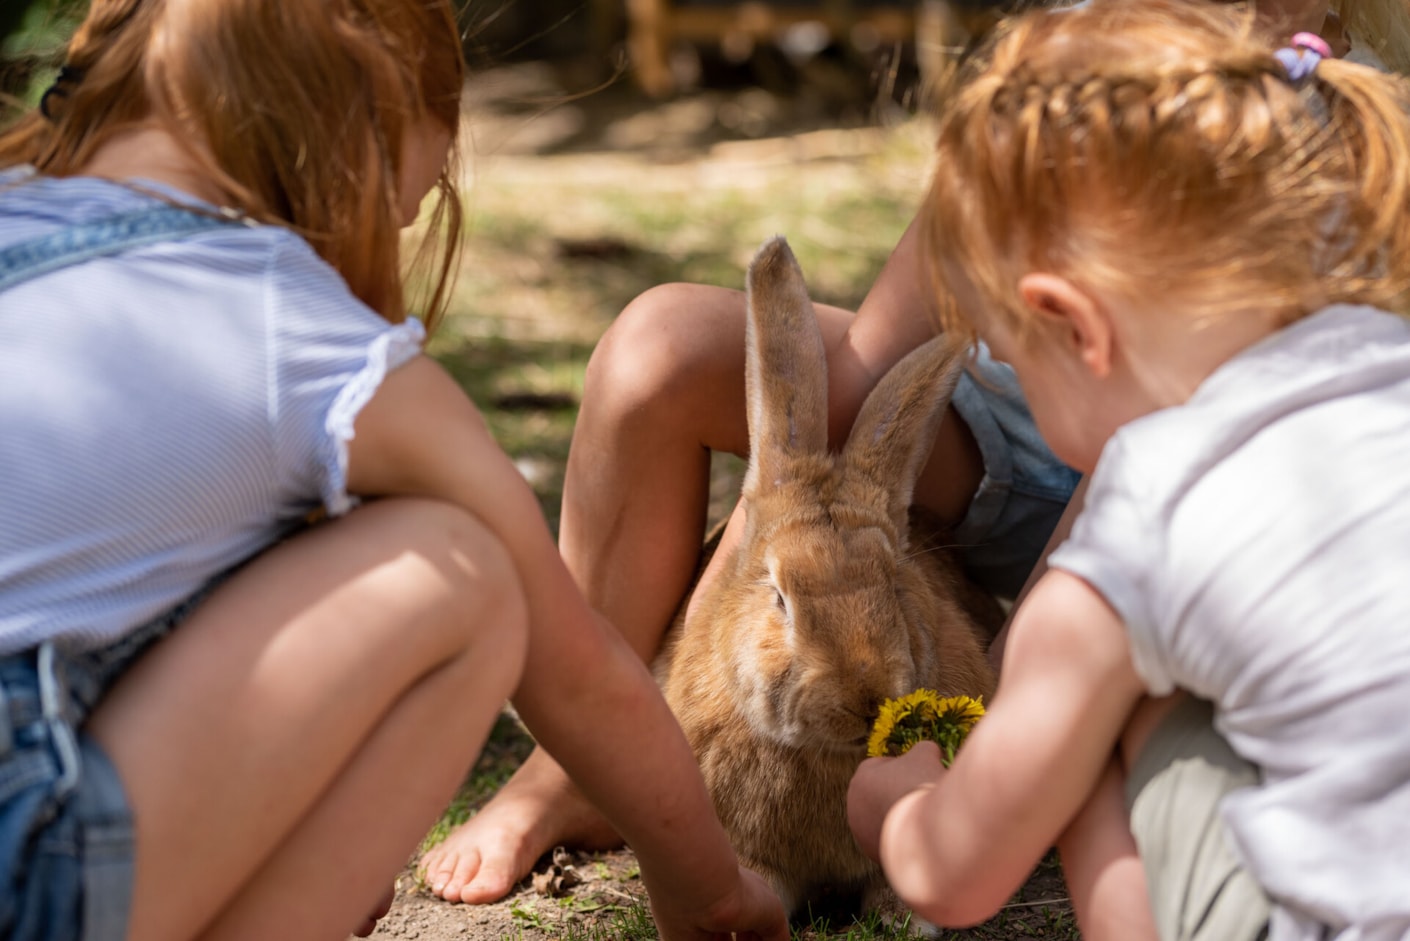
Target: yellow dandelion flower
(924,714)
(891,710)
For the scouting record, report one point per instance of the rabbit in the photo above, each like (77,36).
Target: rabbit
(831,604)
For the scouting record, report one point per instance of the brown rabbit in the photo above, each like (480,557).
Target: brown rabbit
(832,603)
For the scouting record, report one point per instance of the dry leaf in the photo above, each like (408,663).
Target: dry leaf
(559,877)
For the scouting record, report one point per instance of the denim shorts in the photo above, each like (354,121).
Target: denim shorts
(66,837)
(1025,487)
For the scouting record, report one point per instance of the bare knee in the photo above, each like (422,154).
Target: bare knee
(675,354)
(473,592)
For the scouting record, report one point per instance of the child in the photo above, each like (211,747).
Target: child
(1186,243)
(216,719)
(665,387)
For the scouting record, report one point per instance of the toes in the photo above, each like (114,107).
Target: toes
(486,882)
(445,873)
(468,877)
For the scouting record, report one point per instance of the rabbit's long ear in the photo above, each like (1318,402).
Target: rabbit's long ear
(896,427)
(786,366)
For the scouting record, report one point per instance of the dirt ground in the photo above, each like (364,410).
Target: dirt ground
(525,121)
(605,905)
(598,896)
(609,887)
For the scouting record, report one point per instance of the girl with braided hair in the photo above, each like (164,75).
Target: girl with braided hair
(1194,250)
(665,388)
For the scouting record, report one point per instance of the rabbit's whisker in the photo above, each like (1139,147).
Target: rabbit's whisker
(929,549)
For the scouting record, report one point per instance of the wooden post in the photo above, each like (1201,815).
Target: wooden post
(649,44)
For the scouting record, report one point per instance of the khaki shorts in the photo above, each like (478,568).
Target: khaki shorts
(1199,889)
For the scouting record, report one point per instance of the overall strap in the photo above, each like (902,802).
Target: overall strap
(78,243)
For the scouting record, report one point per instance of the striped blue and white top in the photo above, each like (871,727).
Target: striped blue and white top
(166,412)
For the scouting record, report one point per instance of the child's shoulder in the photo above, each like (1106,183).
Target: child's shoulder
(231,256)
(100,212)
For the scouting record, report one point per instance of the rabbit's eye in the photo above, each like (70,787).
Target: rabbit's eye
(779,600)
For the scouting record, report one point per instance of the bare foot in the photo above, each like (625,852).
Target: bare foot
(539,808)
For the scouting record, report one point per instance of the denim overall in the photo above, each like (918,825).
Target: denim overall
(66,842)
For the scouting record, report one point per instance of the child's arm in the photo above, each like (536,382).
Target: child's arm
(899,314)
(585,695)
(956,844)
(895,317)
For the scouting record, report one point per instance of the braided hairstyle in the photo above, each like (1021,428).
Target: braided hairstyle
(1159,152)
(296,109)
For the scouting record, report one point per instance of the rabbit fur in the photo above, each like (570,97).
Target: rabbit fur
(833,602)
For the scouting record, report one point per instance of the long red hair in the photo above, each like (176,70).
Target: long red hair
(296,109)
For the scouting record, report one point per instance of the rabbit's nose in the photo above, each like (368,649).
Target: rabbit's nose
(865,712)
(866,720)
(872,709)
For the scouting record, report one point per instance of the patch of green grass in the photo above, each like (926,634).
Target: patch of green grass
(550,261)
(630,923)
(529,917)
(528,391)
(1050,923)
(30,54)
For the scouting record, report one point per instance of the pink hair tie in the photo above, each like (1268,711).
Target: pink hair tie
(1301,55)
(1311,42)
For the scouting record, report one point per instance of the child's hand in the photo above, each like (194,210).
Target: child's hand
(752,912)
(881,782)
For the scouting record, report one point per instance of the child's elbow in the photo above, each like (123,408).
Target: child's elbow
(950,900)
(943,866)
(958,909)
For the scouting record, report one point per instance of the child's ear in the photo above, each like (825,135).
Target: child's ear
(1073,316)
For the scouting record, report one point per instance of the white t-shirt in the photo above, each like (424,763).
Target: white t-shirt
(1256,542)
(165,413)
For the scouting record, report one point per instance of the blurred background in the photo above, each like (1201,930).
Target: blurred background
(671,45)
(612,145)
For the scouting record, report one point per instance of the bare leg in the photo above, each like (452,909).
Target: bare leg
(664,387)
(369,923)
(1105,877)
(285,749)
